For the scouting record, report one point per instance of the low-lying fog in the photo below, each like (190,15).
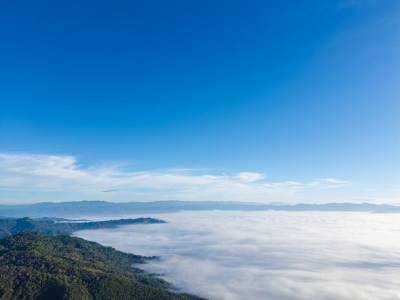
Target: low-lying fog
(269,255)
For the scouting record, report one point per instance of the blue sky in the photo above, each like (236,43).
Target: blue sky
(296,101)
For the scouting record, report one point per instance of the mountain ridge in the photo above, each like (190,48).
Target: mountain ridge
(104,208)
(52,228)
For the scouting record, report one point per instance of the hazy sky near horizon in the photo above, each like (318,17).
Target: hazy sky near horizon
(294,101)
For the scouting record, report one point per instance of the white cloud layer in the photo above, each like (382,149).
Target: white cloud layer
(50,173)
(270,255)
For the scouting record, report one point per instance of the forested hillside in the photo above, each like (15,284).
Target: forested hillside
(11,226)
(36,266)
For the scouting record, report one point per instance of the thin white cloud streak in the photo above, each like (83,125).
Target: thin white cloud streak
(63,173)
(269,255)
(250,176)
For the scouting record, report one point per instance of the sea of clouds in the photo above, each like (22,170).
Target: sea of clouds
(269,255)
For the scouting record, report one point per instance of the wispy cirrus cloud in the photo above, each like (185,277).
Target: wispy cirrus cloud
(64,173)
(250,176)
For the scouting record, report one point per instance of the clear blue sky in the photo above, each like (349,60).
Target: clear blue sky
(255,95)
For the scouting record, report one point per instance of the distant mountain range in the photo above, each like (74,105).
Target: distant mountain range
(102,208)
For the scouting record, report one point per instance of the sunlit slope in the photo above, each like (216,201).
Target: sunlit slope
(36,266)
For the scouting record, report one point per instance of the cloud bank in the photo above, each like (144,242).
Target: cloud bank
(54,173)
(270,255)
